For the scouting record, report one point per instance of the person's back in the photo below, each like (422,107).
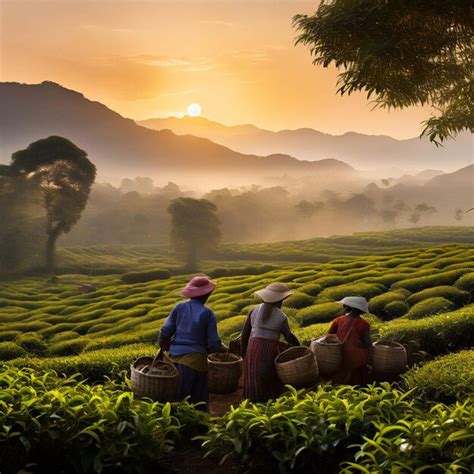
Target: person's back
(192,321)
(267,325)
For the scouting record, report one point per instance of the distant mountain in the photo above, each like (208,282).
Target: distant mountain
(119,147)
(359,150)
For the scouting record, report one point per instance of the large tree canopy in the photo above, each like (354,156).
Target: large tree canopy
(194,228)
(401,52)
(64,176)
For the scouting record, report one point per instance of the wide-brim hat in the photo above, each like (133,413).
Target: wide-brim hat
(357,302)
(198,286)
(274,292)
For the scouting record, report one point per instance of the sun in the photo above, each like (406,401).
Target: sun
(194,110)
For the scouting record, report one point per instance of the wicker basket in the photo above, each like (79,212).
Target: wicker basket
(161,388)
(224,371)
(297,366)
(328,351)
(390,358)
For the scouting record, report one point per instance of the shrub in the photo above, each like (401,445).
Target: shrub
(317,431)
(32,343)
(311,289)
(429,307)
(94,365)
(414,283)
(368,290)
(446,380)
(378,303)
(8,335)
(395,309)
(319,313)
(68,426)
(435,335)
(69,347)
(466,282)
(131,302)
(458,297)
(64,336)
(298,300)
(230,326)
(143,277)
(10,350)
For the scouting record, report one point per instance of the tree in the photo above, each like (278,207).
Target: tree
(194,228)
(402,52)
(64,176)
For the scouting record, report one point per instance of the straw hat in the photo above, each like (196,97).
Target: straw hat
(274,292)
(198,286)
(357,302)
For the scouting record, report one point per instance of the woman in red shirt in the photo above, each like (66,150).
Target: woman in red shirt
(354,333)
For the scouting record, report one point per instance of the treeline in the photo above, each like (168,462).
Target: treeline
(135,212)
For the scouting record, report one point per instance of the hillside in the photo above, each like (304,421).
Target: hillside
(119,147)
(359,150)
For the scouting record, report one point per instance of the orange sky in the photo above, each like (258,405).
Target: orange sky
(151,59)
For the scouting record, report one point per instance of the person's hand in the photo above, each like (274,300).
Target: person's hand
(165,343)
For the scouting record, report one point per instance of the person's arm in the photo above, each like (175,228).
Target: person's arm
(168,330)
(288,335)
(245,335)
(213,339)
(333,328)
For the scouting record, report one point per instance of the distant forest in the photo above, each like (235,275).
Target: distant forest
(135,212)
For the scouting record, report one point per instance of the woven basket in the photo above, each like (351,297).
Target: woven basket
(224,371)
(161,388)
(390,358)
(297,366)
(328,351)
(235,344)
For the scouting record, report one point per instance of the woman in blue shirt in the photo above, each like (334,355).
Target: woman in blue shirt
(190,334)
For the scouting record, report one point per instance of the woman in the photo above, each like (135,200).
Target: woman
(260,343)
(354,333)
(190,333)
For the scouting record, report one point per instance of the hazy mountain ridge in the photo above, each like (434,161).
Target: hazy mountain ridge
(359,150)
(119,146)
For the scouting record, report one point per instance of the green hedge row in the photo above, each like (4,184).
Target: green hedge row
(446,379)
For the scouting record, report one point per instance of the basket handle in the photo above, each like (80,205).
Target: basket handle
(159,356)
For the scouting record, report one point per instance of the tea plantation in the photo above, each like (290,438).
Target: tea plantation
(421,291)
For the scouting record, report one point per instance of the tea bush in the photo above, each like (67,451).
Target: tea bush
(64,425)
(429,307)
(415,283)
(319,313)
(446,379)
(69,347)
(378,303)
(368,290)
(10,350)
(466,282)
(319,431)
(144,277)
(458,297)
(299,300)
(435,335)
(395,309)
(93,365)
(32,343)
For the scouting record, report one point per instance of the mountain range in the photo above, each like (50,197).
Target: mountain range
(119,147)
(358,150)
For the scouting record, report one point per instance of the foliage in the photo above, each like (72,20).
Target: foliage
(378,304)
(10,350)
(395,309)
(65,425)
(317,431)
(458,297)
(446,379)
(434,335)
(194,228)
(429,307)
(143,277)
(466,282)
(319,313)
(402,53)
(64,177)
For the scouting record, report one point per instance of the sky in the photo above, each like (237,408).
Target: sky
(236,58)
